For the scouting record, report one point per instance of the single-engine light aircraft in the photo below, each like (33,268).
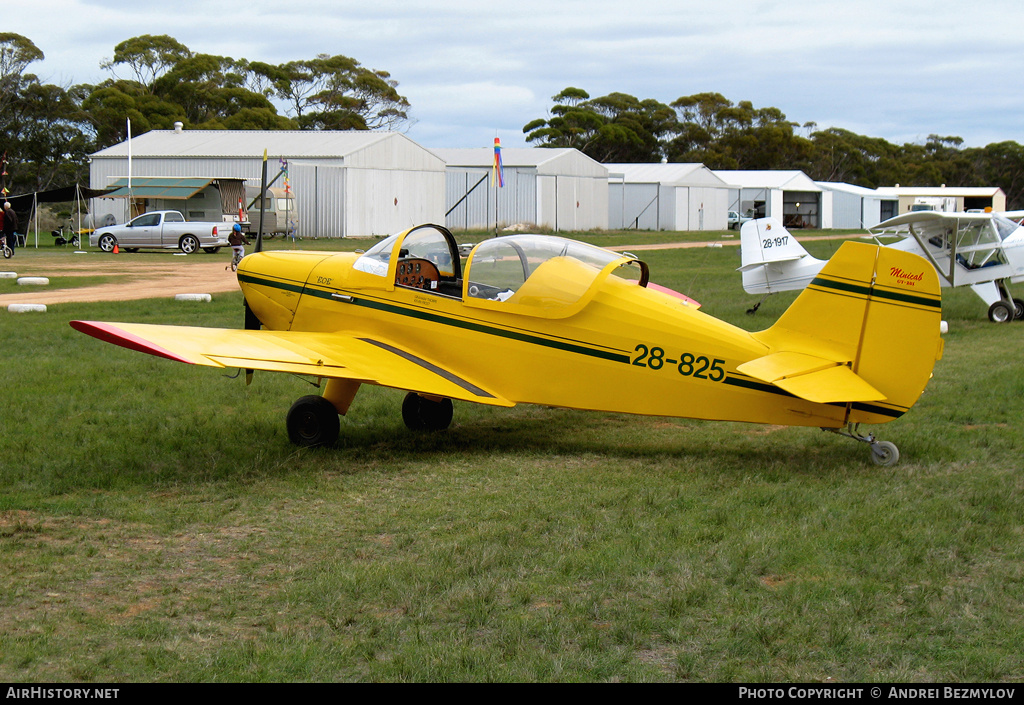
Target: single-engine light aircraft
(545,320)
(984,251)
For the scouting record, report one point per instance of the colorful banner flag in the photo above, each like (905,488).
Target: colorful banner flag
(284,169)
(497,171)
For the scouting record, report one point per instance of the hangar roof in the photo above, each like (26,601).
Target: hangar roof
(783,180)
(561,160)
(236,143)
(671,174)
(951,191)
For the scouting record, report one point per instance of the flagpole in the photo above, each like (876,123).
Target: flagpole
(497,179)
(129,124)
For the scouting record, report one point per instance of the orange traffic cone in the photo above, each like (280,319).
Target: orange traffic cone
(115,248)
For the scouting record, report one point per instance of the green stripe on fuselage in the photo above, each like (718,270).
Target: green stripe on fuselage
(565,345)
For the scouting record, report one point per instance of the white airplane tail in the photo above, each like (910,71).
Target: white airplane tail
(772,260)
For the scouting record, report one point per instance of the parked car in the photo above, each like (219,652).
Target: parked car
(162,230)
(736,220)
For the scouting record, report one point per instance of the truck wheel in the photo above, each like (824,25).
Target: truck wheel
(189,244)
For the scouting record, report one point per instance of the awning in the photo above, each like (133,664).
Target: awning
(24,201)
(168,187)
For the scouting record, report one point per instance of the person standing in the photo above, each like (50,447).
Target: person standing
(10,225)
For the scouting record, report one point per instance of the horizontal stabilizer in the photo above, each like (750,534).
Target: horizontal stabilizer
(755,265)
(810,377)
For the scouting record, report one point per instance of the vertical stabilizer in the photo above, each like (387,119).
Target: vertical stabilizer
(875,310)
(772,260)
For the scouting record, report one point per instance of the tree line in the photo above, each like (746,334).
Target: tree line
(48,131)
(708,128)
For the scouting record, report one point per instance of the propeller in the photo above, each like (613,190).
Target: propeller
(252,321)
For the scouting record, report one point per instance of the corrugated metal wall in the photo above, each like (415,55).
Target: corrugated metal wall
(103,171)
(333,200)
(707,209)
(338,201)
(655,207)
(320,198)
(846,210)
(633,206)
(516,200)
(572,203)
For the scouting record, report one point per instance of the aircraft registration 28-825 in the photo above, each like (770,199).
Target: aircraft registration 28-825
(545,320)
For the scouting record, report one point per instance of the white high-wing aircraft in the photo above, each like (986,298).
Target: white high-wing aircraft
(984,251)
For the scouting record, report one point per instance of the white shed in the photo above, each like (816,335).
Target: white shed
(666,197)
(346,183)
(945,198)
(856,206)
(560,189)
(789,196)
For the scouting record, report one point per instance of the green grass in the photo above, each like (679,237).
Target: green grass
(156,525)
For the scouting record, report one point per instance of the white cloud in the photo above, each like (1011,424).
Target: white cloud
(881,68)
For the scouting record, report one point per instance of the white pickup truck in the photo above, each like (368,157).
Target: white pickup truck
(162,230)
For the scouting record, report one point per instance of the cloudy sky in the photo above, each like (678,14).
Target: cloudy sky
(473,70)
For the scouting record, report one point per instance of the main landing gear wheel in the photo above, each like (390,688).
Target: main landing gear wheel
(313,421)
(422,414)
(1001,312)
(1018,309)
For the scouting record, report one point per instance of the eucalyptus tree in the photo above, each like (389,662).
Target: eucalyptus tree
(42,130)
(614,128)
(335,93)
(724,135)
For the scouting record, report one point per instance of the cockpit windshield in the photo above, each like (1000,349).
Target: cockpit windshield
(542,272)
(426,242)
(375,260)
(1004,226)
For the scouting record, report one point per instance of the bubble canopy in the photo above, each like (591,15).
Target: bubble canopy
(541,275)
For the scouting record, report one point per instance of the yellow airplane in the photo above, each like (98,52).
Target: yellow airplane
(546,320)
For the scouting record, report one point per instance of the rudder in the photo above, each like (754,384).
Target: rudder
(876,310)
(772,259)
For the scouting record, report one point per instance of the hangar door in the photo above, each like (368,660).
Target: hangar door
(699,208)
(801,209)
(633,206)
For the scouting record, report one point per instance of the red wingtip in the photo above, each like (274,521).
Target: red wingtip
(110,333)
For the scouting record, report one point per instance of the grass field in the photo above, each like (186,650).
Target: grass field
(156,524)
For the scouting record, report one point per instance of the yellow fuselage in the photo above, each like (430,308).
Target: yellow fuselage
(625,348)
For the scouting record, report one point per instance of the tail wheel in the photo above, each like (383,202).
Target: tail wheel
(884,453)
(422,414)
(313,421)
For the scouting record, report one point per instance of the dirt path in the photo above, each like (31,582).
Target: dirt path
(138,279)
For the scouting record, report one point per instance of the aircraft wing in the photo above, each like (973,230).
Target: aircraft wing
(811,377)
(368,359)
